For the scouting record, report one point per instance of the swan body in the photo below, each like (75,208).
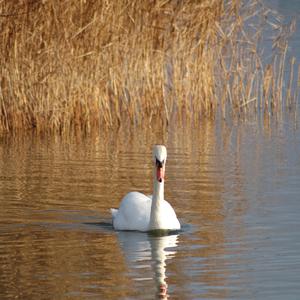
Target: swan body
(135,210)
(147,213)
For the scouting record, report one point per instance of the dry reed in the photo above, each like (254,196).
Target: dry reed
(85,64)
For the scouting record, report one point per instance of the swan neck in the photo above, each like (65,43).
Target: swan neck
(158,193)
(157,198)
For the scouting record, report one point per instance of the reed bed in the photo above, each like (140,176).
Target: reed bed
(88,64)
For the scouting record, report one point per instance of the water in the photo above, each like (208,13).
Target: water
(235,188)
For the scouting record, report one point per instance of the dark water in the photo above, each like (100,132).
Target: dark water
(235,187)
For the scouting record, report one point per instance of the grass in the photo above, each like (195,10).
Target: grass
(91,64)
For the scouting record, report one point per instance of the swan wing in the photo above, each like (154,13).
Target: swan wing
(134,212)
(168,217)
(114,212)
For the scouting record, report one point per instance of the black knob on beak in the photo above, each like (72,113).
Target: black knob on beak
(159,164)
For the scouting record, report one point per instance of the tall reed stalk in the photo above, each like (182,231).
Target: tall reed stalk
(85,64)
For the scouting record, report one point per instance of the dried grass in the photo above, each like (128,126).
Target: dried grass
(87,64)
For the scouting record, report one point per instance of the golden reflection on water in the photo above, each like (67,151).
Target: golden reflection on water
(57,262)
(55,195)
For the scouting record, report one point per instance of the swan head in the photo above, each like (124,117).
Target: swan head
(159,159)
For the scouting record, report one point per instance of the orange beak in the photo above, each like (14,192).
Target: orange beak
(160,174)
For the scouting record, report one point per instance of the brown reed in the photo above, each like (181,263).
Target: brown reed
(86,64)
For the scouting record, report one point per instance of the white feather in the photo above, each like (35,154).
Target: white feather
(143,213)
(134,213)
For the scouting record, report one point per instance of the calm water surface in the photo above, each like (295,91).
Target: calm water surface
(235,188)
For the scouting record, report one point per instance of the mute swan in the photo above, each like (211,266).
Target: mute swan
(143,213)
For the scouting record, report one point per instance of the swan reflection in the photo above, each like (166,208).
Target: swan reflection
(146,256)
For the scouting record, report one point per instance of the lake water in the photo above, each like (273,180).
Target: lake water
(235,187)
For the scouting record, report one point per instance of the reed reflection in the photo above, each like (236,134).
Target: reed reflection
(146,257)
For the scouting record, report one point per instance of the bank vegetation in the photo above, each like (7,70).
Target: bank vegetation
(88,64)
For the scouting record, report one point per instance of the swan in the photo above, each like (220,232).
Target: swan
(147,213)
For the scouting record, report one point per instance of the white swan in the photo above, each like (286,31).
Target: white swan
(142,213)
